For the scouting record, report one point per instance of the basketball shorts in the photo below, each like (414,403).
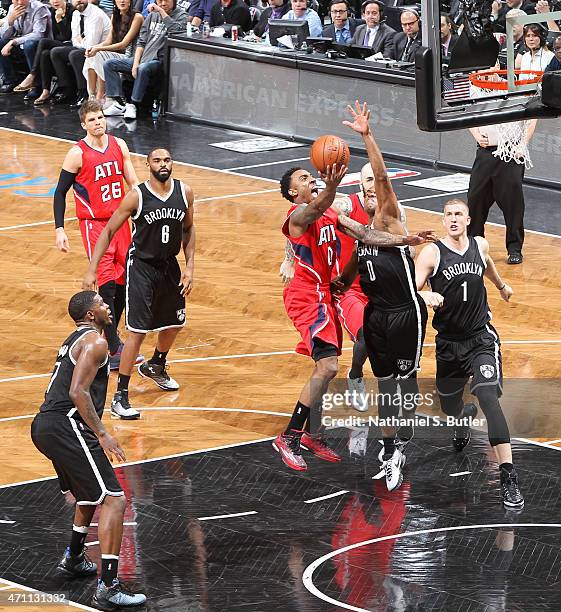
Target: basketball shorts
(153,296)
(394,340)
(350,309)
(77,456)
(312,313)
(113,263)
(478,357)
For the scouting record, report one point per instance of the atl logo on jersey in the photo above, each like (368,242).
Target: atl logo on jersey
(107,169)
(327,234)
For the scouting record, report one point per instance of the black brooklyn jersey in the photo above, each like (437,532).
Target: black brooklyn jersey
(459,278)
(158,223)
(56,396)
(387,276)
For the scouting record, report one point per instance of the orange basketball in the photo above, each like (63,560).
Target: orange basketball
(329,150)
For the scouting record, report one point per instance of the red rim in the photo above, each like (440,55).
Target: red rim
(478,79)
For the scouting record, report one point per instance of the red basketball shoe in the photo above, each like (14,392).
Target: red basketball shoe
(288,447)
(317,446)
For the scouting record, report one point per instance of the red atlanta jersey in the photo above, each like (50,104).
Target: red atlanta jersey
(317,250)
(99,187)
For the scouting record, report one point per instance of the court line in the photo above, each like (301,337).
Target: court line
(49,222)
(140,461)
(459,474)
(434,195)
(221,516)
(553,441)
(171,408)
(307,576)
(282,161)
(260,178)
(8,522)
(94,543)
(243,355)
(23,587)
(316,499)
(125,524)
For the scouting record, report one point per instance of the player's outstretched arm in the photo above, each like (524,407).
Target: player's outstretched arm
(388,215)
(91,353)
(70,168)
(378,238)
(491,271)
(128,206)
(128,169)
(188,243)
(306,214)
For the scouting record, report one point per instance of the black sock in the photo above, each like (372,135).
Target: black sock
(389,446)
(109,567)
(107,292)
(359,356)
(123,383)
(77,540)
(159,358)
(507,467)
(298,418)
(119,303)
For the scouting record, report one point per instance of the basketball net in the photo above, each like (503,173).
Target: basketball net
(511,137)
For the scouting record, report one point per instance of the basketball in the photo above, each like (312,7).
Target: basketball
(329,150)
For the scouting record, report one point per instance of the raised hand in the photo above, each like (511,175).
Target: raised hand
(361,116)
(333,175)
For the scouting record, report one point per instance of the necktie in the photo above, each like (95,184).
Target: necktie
(404,57)
(368,39)
(82,19)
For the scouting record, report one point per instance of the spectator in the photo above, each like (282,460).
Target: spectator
(374,33)
(121,41)
(538,55)
(499,11)
(555,63)
(90,26)
(276,10)
(342,25)
(542,6)
(233,12)
(199,12)
(27,22)
(406,43)
(300,10)
(42,70)
(517,34)
(165,18)
(448,38)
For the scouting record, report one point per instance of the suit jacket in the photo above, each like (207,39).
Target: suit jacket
(263,22)
(500,24)
(399,44)
(383,41)
(453,41)
(329,31)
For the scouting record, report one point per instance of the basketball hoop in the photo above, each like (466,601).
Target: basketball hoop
(494,79)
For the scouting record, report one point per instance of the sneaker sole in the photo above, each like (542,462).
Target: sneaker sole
(69,574)
(156,383)
(319,456)
(507,504)
(296,468)
(116,415)
(399,483)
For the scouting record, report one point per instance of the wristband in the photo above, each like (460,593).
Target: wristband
(504,285)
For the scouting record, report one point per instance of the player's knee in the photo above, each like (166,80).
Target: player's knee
(327,368)
(116,504)
(451,405)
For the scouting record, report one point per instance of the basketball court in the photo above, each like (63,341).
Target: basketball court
(215,521)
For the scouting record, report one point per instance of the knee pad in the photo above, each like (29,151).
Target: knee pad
(497,426)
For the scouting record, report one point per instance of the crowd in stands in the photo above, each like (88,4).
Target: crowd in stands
(112,50)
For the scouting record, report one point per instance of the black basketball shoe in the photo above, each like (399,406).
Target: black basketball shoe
(462,433)
(512,497)
(75,566)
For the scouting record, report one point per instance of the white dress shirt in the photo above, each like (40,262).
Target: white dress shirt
(97,26)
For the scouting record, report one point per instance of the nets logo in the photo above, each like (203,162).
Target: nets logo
(404,364)
(488,371)
(181,315)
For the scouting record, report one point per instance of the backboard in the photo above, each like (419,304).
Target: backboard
(445,98)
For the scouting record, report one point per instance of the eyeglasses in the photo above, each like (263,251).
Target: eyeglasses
(339,12)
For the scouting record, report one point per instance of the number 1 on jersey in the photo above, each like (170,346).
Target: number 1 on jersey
(465,288)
